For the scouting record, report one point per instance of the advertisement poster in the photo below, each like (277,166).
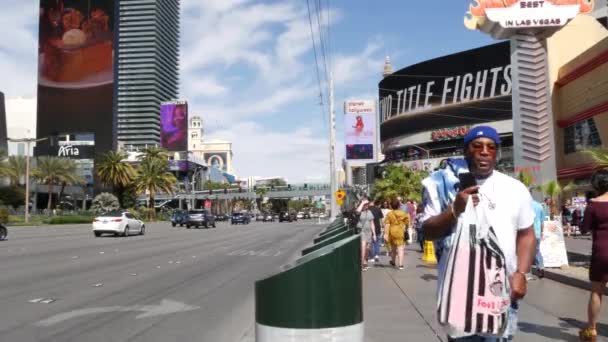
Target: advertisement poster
(217,159)
(553,246)
(359,129)
(75,69)
(174,125)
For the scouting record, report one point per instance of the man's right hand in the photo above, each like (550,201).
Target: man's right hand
(460,202)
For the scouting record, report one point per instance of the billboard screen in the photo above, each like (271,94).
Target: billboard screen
(178,165)
(174,125)
(359,129)
(75,69)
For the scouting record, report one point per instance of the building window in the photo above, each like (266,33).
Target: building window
(581,136)
(21,149)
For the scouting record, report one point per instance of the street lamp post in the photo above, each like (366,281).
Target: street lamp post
(28,141)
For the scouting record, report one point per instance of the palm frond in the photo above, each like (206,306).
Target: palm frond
(599,156)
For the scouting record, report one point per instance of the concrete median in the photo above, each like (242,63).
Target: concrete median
(330,234)
(343,235)
(316,298)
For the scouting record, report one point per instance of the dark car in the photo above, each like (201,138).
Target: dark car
(3,232)
(240,218)
(307,216)
(222,217)
(179,217)
(200,217)
(285,216)
(294,216)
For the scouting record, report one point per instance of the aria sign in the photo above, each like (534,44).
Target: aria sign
(70,151)
(522,14)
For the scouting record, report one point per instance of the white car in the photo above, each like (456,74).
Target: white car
(118,223)
(300,215)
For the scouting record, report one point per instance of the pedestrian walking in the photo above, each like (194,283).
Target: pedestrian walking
(418,225)
(396,222)
(378,218)
(567,217)
(386,208)
(596,222)
(539,218)
(367,231)
(508,205)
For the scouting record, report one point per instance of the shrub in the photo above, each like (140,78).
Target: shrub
(12,195)
(105,202)
(3,215)
(71,219)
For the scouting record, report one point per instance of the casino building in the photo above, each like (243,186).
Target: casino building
(427,108)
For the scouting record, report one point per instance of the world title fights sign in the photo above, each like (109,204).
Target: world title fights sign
(519,14)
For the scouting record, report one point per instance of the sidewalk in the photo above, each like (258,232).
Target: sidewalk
(400,306)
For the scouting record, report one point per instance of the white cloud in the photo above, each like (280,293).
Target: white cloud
(349,68)
(18,46)
(298,154)
(204,86)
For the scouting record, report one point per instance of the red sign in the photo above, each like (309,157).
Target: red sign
(450,133)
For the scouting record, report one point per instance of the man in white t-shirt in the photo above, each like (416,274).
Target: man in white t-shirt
(510,206)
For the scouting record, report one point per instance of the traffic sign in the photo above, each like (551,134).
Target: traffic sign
(340,202)
(340,194)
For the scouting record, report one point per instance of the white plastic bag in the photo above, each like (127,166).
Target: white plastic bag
(474,295)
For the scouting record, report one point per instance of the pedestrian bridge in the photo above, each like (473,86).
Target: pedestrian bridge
(284,192)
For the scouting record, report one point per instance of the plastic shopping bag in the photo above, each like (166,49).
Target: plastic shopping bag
(474,294)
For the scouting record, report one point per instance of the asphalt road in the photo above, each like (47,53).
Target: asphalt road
(60,283)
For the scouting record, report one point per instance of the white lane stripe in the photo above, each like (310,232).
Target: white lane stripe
(352,333)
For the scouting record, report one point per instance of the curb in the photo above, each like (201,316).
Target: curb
(566,280)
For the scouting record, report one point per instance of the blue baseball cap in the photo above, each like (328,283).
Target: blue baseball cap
(481,132)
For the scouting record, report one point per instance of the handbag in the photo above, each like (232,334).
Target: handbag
(474,292)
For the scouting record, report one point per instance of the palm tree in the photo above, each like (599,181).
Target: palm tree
(153,176)
(599,157)
(154,153)
(260,193)
(14,169)
(3,162)
(53,170)
(113,171)
(400,181)
(553,190)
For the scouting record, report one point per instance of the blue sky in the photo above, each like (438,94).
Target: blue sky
(247,68)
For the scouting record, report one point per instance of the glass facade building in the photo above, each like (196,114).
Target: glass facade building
(148,68)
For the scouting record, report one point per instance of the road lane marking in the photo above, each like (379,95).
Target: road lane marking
(165,307)
(37,300)
(97,285)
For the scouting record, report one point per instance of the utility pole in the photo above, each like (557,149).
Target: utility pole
(27,141)
(332,150)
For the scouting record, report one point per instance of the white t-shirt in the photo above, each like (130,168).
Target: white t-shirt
(509,206)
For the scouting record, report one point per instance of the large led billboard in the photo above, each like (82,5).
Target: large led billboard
(174,125)
(75,69)
(359,129)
